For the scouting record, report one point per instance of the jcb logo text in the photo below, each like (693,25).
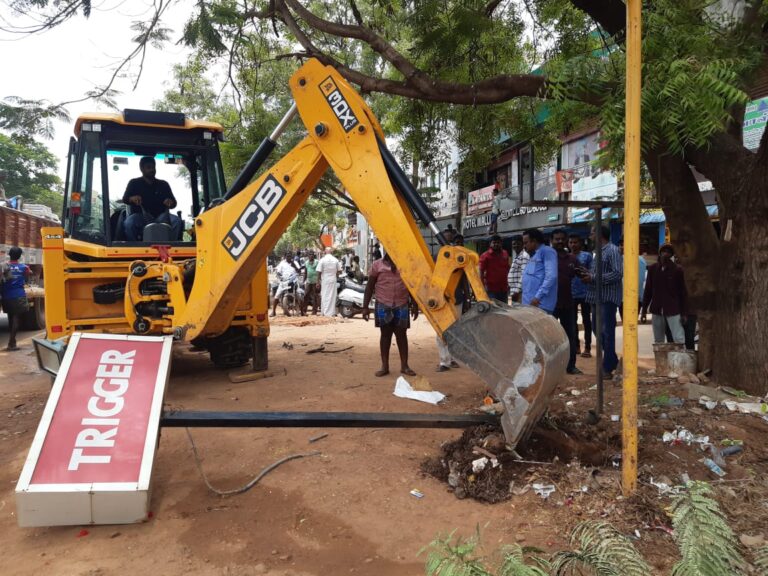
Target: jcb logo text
(253,217)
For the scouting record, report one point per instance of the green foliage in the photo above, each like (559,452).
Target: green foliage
(30,117)
(602,550)
(761,561)
(305,230)
(515,563)
(446,558)
(707,544)
(460,558)
(30,171)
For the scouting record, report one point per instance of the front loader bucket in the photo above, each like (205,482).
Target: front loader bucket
(521,352)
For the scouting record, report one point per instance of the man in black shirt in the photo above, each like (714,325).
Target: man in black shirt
(154,196)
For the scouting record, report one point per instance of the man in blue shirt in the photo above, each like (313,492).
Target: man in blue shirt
(540,274)
(13,294)
(579,293)
(611,295)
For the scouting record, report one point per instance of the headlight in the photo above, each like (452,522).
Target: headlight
(49,354)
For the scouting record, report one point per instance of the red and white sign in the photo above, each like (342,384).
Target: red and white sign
(480,200)
(91,459)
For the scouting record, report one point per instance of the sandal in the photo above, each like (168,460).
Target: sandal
(380,373)
(408,372)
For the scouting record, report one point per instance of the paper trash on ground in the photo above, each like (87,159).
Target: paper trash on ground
(543,490)
(747,407)
(404,390)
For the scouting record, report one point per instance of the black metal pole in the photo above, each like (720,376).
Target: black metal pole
(410,194)
(261,154)
(206,419)
(599,305)
(251,167)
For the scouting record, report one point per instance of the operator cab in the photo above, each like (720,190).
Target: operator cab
(104,156)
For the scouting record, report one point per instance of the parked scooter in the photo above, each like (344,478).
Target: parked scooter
(350,299)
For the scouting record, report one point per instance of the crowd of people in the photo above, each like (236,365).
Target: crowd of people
(561,279)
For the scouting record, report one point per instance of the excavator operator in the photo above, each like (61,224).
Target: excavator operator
(149,199)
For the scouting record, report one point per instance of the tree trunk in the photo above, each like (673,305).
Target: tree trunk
(740,334)
(727,277)
(694,238)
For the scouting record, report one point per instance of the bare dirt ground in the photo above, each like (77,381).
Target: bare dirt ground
(349,510)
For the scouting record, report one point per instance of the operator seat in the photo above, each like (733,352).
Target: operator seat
(157,232)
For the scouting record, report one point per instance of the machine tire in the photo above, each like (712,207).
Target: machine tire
(231,349)
(346,309)
(34,318)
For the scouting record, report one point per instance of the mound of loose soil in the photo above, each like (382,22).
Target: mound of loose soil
(555,445)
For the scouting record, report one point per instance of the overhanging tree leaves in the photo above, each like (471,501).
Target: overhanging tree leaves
(30,172)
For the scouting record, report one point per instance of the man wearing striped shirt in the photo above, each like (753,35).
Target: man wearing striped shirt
(519,261)
(611,296)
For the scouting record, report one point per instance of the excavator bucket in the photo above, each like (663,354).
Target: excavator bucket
(521,352)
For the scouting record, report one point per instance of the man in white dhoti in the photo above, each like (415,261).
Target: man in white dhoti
(328,269)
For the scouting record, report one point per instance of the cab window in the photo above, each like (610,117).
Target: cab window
(87,220)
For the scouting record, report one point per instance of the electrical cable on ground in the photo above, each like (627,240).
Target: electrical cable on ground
(250,484)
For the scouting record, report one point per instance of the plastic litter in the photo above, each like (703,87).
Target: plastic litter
(683,436)
(479,464)
(707,402)
(417,493)
(543,490)
(404,390)
(709,463)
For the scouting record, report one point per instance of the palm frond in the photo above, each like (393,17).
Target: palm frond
(707,544)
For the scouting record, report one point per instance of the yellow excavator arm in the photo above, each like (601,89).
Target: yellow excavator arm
(520,352)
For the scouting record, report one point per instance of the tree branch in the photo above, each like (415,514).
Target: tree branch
(411,73)
(610,14)
(724,162)
(493,90)
(490,8)
(356,12)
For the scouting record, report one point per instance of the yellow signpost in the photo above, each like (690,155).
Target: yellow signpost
(631,246)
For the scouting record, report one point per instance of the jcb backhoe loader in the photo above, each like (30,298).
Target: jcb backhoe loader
(211,289)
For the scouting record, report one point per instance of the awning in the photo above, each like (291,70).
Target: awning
(654,216)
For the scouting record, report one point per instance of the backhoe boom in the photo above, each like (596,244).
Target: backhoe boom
(520,352)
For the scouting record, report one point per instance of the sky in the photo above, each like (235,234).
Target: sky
(64,63)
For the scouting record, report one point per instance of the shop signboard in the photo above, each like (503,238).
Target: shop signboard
(755,119)
(510,220)
(588,181)
(480,200)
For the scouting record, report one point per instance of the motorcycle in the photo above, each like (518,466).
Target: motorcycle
(350,298)
(291,297)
